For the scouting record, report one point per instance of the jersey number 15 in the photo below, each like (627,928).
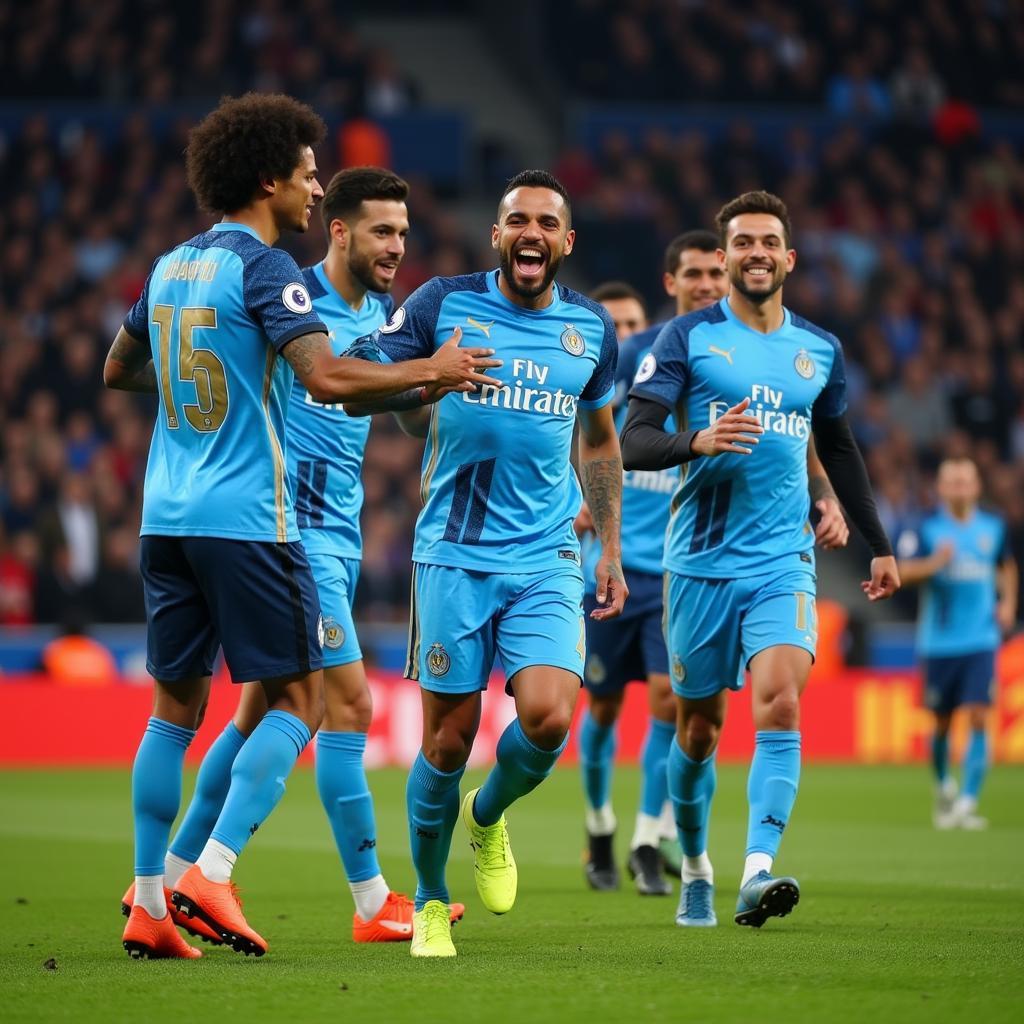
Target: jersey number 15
(200,366)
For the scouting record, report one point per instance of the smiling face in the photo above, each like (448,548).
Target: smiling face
(756,257)
(532,237)
(374,242)
(293,198)
(699,280)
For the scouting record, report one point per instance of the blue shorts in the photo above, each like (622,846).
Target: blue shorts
(336,580)
(631,647)
(961,679)
(714,627)
(461,618)
(255,599)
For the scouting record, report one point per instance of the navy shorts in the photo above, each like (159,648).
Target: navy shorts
(631,647)
(255,599)
(962,679)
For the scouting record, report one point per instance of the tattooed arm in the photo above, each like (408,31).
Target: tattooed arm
(129,365)
(831,530)
(601,473)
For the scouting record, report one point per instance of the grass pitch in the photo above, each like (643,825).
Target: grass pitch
(896,922)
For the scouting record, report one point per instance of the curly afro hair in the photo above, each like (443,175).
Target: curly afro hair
(247,140)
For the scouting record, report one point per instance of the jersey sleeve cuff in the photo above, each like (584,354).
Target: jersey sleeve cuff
(130,330)
(598,403)
(312,327)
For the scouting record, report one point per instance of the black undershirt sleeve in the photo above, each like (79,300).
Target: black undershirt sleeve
(848,475)
(645,445)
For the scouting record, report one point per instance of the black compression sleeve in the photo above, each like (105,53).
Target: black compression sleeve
(849,476)
(645,445)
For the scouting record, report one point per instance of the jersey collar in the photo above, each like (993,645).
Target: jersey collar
(233,225)
(734,319)
(325,282)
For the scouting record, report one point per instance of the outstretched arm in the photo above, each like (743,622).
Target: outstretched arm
(601,474)
(129,365)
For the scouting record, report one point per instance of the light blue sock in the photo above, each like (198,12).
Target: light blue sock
(258,776)
(156,791)
(975,763)
(520,768)
(691,786)
(940,756)
(771,789)
(212,784)
(341,782)
(654,766)
(597,753)
(432,803)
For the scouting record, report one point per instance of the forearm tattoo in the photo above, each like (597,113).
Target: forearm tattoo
(602,488)
(301,352)
(137,371)
(821,489)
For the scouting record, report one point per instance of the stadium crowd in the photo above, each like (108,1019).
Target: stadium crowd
(908,232)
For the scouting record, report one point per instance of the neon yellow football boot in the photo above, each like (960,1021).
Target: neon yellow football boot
(495,867)
(432,930)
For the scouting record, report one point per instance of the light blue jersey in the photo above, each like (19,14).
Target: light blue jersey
(325,446)
(216,311)
(958,604)
(646,494)
(734,515)
(499,493)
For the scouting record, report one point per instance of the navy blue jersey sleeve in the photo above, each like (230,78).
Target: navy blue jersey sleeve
(409,332)
(600,389)
(831,403)
(1003,552)
(664,374)
(136,323)
(277,298)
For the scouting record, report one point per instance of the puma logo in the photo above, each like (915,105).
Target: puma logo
(727,356)
(485,328)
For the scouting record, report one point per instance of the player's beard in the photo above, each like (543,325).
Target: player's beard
(360,266)
(757,296)
(532,290)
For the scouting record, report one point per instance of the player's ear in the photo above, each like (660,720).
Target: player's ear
(268,186)
(669,281)
(339,233)
(720,253)
(570,239)
(495,235)
(790,260)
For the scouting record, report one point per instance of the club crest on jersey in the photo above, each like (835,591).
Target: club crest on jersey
(572,341)
(804,364)
(334,635)
(438,661)
(647,368)
(296,298)
(396,321)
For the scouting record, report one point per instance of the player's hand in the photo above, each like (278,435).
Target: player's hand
(832,531)
(943,556)
(611,589)
(733,431)
(584,521)
(458,369)
(885,579)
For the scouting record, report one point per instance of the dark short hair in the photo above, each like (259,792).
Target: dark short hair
(705,241)
(608,291)
(349,188)
(245,141)
(537,179)
(754,202)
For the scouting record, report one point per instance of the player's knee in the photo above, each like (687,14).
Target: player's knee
(780,711)
(447,748)
(547,728)
(604,711)
(349,714)
(699,737)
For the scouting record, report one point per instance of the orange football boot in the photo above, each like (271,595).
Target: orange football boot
(393,922)
(146,939)
(195,926)
(216,904)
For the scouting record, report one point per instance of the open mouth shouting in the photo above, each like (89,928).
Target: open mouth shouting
(758,271)
(529,262)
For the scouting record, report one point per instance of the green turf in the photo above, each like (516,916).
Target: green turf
(896,922)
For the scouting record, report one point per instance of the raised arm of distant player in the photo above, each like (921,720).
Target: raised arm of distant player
(845,467)
(831,531)
(331,378)
(601,475)
(129,365)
